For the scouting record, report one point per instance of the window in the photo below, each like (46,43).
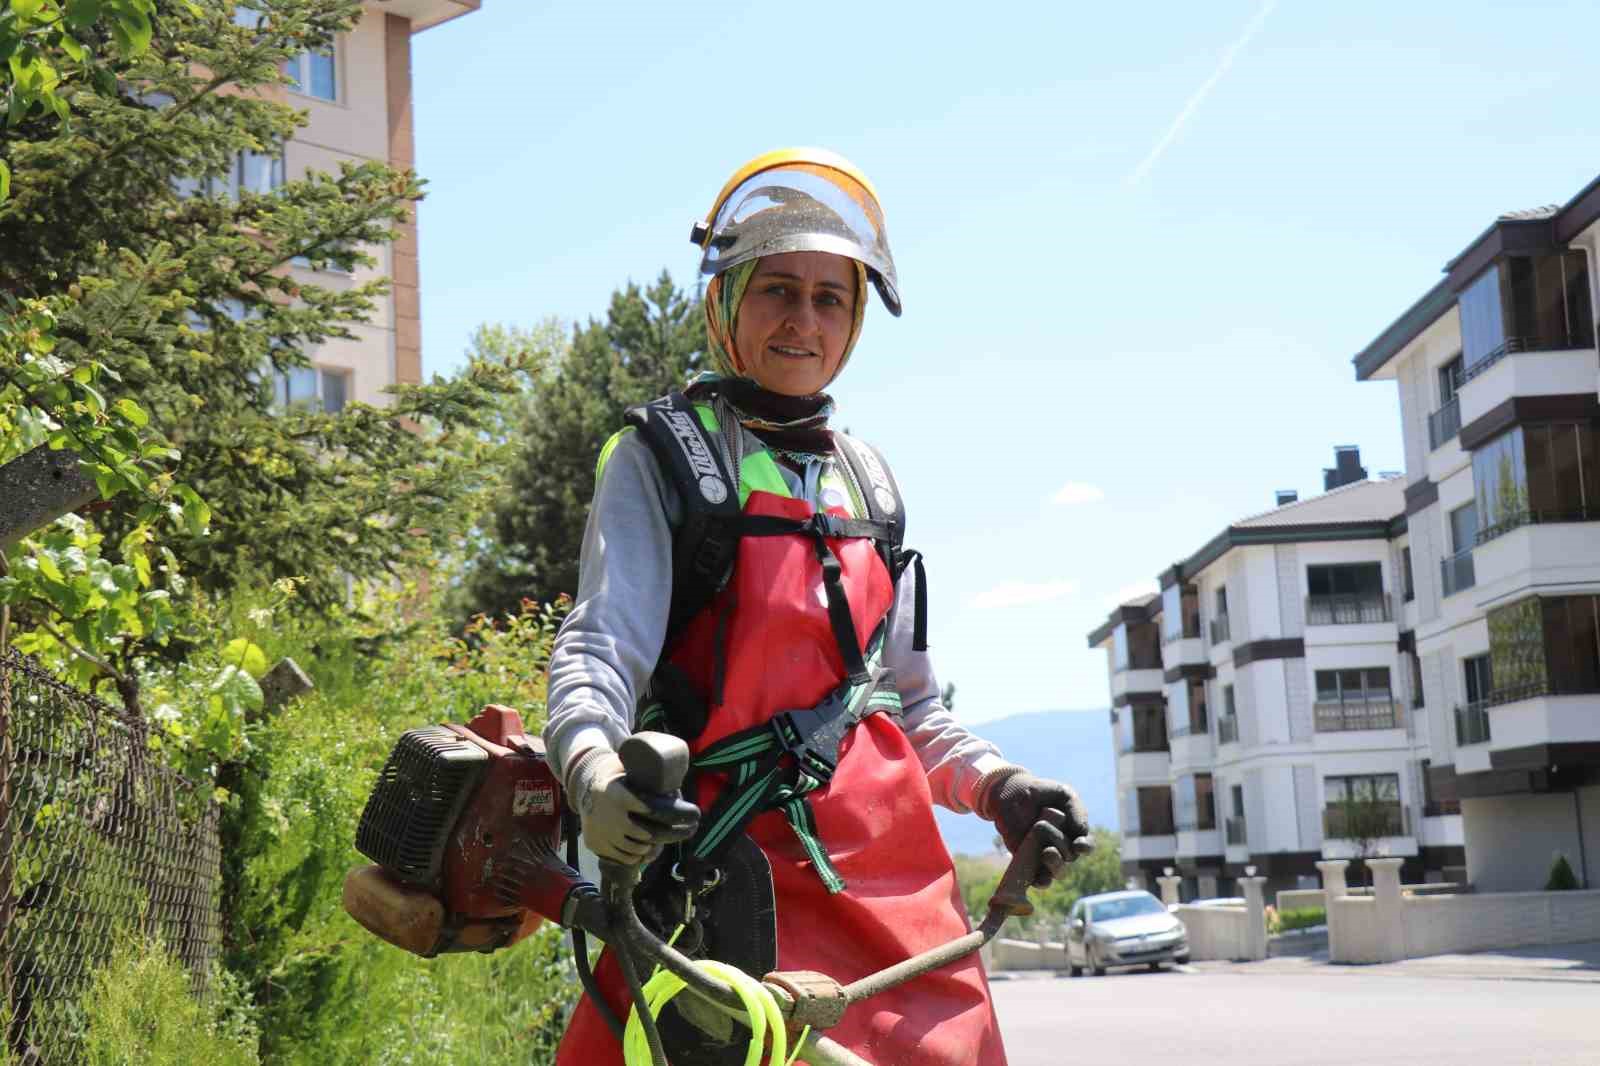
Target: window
(1346,593)
(1196,802)
(1199,721)
(314,74)
(1524,304)
(1144,646)
(1416,678)
(1450,379)
(252,172)
(1148,725)
(1222,602)
(1180,612)
(1354,699)
(1228,708)
(1155,811)
(1457,571)
(1361,787)
(1405,566)
(1464,527)
(1549,472)
(1478,677)
(312,388)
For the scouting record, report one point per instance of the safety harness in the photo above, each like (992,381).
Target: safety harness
(679,434)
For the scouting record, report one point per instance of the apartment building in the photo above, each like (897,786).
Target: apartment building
(1498,375)
(1271,678)
(357,97)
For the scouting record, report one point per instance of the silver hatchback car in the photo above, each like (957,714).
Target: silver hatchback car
(1123,929)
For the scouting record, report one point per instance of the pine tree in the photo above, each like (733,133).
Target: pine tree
(186,298)
(651,341)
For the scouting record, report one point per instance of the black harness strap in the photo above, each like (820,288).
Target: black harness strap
(705,546)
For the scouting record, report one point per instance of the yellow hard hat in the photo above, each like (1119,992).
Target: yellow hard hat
(798,200)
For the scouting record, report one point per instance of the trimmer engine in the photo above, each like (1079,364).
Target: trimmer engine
(464,826)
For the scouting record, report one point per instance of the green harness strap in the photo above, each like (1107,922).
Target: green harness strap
(752,759)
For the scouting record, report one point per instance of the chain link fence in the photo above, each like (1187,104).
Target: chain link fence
(97,838)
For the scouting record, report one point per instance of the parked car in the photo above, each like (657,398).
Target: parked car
(1123,929)
(1221,901)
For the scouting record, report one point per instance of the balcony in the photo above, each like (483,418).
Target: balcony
(1560,342)
(1142,745)
(1366,821)
(1456,573)
(1228,729)
(1236,832)
(1344,717)
(1441,808)
(1339,610)
(1220,633)
(1534,518)
(1472,724)
(1444,424)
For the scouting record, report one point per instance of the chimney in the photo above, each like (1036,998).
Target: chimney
(1286,496)
(1346,469)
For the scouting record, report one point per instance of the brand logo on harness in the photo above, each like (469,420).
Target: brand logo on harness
(882,491)
(684,431)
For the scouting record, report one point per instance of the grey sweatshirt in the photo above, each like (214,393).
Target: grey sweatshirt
(608,646)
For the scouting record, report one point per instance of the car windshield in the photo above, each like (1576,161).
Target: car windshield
(1126,907)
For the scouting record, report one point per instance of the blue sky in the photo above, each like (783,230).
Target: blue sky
(1138,244)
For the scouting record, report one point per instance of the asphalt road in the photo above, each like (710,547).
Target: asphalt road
(1275,1016)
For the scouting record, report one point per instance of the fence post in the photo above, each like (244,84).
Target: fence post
(1391,916)
(1169,888)
(1255,889)
(1208,886)
(1333,888)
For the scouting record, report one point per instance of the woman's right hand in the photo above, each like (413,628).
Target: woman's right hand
(619,824)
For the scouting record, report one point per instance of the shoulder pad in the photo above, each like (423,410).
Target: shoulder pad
(879,490)
(687,454)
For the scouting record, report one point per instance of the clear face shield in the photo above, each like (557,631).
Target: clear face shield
(801,208)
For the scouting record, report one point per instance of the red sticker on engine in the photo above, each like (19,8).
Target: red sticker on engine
(533,798)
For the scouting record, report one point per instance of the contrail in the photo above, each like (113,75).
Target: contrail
(1194,101)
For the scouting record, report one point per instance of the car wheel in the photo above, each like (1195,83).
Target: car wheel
(1095,967)
(1182,960)
(1155,967)
(1074,971)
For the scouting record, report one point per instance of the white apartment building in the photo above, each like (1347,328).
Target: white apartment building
(1498,376)
(358,103)
(1270,678)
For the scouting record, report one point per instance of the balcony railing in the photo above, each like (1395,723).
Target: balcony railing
(1444,424)
(1235,830)
(1519,519)
(1142,745)
(1440,808)
(1562,342)
(1159,829)
(1389,820)
(1344,717)
(1228,729)
(1456,572)
(1472,723)
(1338,610)
(1220,633)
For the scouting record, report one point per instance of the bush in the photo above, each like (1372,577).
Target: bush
(1296,918)
(328,991)
(1561,879)
(140,1009)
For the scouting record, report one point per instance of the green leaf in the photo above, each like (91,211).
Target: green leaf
(5,180)
(81,14)
(196,515)
(26,9)
(238,690)
(47,567)
(132,412)
(241,653)
(134,27)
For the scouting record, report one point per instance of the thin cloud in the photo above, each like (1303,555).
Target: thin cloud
(1194,101)
(1075,492)
(1024,594)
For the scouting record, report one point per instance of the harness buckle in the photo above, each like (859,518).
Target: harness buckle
(828,525)
(813,735)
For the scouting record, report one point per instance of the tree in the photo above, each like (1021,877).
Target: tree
(1561,879)
(181,290)
(1363,816)
(1099,871)
(651,341)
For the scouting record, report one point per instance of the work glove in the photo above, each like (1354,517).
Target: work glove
(1015,800)
(618,823)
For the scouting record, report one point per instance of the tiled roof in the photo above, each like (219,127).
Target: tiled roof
(1360,501)
(1532,214)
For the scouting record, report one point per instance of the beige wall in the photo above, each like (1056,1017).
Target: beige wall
(1512,840)
(371,120)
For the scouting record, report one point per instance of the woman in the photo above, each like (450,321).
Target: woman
(816,806)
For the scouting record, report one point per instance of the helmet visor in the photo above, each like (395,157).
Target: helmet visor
(803,208)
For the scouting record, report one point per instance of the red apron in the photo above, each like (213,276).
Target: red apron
(875,816)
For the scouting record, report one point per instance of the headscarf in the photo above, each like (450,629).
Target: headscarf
(756,407)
